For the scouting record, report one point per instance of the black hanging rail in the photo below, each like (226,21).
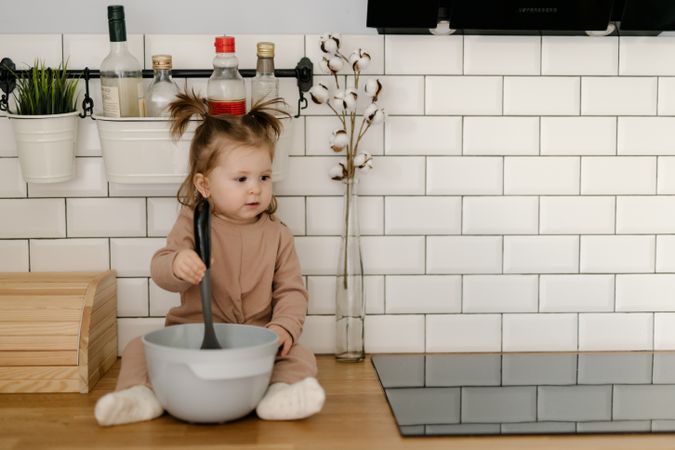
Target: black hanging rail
(304,72)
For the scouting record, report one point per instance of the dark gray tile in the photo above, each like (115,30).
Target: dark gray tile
(615,368)
(419,406)
(538,427)
(574,403)
(644,402)
(615,426)
(499,404)
(412,430)
(400,370)
(539,369)
(464,428)
(664,368)
(462,370)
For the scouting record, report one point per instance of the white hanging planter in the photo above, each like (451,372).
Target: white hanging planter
(140,150)
(46,146)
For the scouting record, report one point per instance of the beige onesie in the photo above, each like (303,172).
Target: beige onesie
(255,277)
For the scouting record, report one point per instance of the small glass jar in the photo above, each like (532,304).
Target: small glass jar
(162,90)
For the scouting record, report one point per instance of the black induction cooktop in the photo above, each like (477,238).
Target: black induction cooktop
(530,393)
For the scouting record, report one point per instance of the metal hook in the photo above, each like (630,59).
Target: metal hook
(302,104)
(7,81)
(87,102)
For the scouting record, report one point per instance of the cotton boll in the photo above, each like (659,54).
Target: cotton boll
(319,93)
(323,64)
(330,43)
(351,96)
(373,88)
(339,140)
(338,172)
(335,64)
(338,101)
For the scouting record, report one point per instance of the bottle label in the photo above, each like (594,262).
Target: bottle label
(111,101)
(232,107)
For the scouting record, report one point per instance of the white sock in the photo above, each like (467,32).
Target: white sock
(291,401)
(135,404)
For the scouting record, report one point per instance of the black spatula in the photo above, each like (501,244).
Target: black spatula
(202,230)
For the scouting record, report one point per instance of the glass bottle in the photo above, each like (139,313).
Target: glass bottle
(225,90)
(350,302)
(121,74)
(162,90)
(265,85)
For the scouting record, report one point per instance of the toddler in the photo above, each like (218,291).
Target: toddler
(255,270)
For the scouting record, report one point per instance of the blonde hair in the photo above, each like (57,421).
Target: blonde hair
(260,127)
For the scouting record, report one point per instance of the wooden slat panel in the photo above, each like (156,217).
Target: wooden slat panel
(38,328)
(44,358)
(41,315)
(42,288)
(39,343)
(51,301)
(12,386)
(35,277)
(39,373)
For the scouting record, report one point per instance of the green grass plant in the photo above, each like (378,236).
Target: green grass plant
(42,90)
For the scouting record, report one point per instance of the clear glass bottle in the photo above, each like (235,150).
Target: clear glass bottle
(225,90)
(265,85)
(121,73)
(350,303)
(162,90)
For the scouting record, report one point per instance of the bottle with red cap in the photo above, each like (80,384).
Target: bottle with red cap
(225,91)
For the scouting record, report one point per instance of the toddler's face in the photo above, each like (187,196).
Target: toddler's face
(240,186)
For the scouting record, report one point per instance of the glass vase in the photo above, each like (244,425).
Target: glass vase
(349,299)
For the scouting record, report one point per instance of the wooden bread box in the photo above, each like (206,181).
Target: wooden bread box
(58,331)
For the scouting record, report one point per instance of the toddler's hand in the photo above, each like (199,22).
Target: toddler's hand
(188,266)
(284,339)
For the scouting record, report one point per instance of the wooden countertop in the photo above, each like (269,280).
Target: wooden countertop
(356,416)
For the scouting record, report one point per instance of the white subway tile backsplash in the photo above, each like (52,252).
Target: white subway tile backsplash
(472,96)
(465,175)
(500,215)
(626,175)
(318,334)
(143,190)
(617,254)
(607,331)
(89,181)
(612,96)
(32,218)
(578,135)
(665,176)
(541,175)
(424,294)
(542,96)
(401,95)
(463,333)
(188,51)
(646,136)
(14,255)
(288,49)
(308,175)
(373,44)
(12,184)
(464,254)
(106,217)
(24,49)
(393,254)
(665,253)
(291,211)
(414,54)
(8,142)
(322,294)
(499,293)
(408,171)
(643,55)
(325,215)
(318,255)
(541,254)
(664,331)
(576,215)
(162,214)
(89,50)
(132,297)
(645,214)
(394,333)
(666,99)
(579,55)
(645,292)
(423,215)
(502,55)
(64,255)
(128,329)
(572,293)
(319,130)
(410,135)
(131,257)
(501,135)
(161,301)
(540,332)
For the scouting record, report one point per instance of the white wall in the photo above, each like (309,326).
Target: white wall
(522,196)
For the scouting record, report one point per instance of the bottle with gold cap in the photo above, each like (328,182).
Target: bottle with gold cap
(163,89)
(265,85)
